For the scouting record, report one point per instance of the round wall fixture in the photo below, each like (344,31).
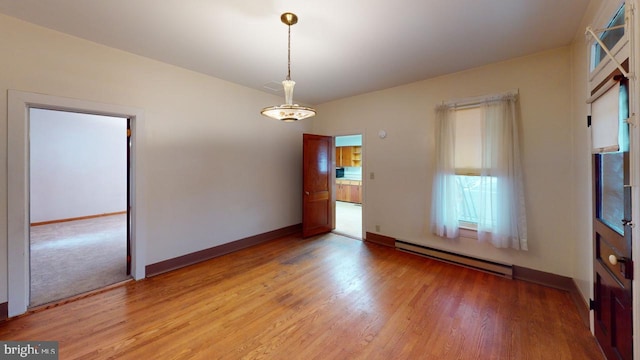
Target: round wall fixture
(382,134)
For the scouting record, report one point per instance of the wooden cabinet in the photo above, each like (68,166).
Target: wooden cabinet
(349,191)
(341,191)
(349,156)
(356,156)
(355,195)
(340,159)
(345,155)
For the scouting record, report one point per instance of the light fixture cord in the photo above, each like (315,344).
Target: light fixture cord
(289,55)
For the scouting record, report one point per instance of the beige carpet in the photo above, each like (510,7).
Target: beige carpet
(74,257)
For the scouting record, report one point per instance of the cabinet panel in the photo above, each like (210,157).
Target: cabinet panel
(349,156)
(343,192)
(349,191)
(354,194)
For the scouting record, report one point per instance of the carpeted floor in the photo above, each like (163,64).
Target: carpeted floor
(74,257)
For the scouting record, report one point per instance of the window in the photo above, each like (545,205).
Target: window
(610,45)
(468,164)
(609,38)
(478,176)
(610,139)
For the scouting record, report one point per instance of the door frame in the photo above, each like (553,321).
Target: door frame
(634,160)
(364,173)
(19,103)
(601,17)
(634,148)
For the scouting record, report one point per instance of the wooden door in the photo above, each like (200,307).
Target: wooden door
(613,267)
(318,168)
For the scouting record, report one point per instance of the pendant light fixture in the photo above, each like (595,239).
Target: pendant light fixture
(288,111)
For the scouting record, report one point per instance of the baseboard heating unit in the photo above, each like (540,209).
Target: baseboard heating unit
(492,267)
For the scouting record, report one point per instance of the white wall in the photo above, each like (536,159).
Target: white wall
(78,164)
(216,170)
(398,199)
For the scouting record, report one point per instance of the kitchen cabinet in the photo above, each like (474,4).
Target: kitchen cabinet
(345,155)
(355,195)
(356,156)
(349,156)
(341,191)
(340,159)
(349,191)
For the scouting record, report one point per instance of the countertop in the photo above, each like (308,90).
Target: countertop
(349,178)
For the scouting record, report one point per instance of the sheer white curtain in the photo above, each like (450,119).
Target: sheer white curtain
(444,212)
(502,218)
(501,209)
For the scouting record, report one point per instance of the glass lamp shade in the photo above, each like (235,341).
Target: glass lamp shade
(289,111)
(288,90)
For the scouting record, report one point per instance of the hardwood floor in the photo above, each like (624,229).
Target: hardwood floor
(328,297)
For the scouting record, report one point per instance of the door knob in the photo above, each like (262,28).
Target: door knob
(306,193)
(614,259)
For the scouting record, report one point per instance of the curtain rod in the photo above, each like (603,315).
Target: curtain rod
(476,100)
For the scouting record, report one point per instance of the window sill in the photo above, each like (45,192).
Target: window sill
(468,230)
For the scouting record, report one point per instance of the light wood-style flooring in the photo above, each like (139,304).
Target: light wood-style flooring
(327,297)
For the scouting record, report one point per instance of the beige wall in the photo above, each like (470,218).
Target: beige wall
(582,220)
(216,170)
(398,199)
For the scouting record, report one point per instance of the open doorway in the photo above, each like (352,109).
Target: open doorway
(349,185)
(78,193)
(18,224)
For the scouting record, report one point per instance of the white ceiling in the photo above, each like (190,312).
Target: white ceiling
(338,48)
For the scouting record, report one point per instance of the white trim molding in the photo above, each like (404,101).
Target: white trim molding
(19,103)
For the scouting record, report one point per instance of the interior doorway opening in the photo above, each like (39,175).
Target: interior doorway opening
(18,222)
(349,185)
(78,203)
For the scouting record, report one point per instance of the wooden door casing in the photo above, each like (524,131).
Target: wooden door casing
(128,197)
